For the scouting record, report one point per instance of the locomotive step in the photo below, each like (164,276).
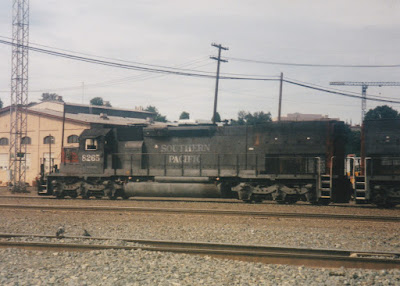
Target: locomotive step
(325,197)
(360,179)
(360,185)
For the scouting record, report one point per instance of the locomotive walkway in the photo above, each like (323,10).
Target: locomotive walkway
(327,258)
(256,214)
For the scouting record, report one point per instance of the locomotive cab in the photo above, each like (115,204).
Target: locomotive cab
(94,146)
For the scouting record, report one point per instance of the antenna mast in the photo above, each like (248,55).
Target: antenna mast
(19,94)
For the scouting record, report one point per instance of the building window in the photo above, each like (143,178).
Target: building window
(73,139)
(91,144)
(3,141)
(26,140)
(48,140)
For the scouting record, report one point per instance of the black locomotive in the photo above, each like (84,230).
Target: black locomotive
(281,161)
(378,181)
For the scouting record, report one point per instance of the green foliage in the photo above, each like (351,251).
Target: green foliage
(1,103)
(97,101)
(381,112)
(184,115)
(51,97)
(246,118)
(353,143)
(159,117)
(217,117)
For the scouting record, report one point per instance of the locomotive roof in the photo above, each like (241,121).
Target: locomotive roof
(95,132)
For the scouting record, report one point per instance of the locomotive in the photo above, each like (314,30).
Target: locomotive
(376,175)
(281,161)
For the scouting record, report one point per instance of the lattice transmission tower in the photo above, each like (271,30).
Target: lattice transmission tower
(19,94)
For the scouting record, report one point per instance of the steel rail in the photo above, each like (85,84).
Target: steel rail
(258,214)
(253,253)
(191,200)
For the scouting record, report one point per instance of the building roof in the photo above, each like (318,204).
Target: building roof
(93,118)
(93,109)
(102,118)
(93,106)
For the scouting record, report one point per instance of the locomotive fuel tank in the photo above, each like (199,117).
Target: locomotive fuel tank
(173,187)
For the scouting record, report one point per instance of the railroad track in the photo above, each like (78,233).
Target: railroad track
(325,258)
(189,200)
(256,214)
(145,199)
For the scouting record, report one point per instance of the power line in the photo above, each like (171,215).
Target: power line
(312,65)
(340,93)
(336,89)
(199,74)
(134,67)
(113,59)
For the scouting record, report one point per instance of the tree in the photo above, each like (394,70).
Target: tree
(159,117)
(217,117)
(381,112)
(1,103)
(353,142)
(51,97)
(246,118)
(184,115)
(97,101)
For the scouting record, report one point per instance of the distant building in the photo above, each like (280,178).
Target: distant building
(44,133)
(304,117)
(75,108)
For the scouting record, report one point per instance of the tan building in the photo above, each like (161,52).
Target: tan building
(305,117)
(44,136)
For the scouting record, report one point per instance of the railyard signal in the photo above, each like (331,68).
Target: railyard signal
(364,86)
(219,60)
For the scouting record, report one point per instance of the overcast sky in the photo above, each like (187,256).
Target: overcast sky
(177,33)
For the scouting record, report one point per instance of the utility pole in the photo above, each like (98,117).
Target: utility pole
(19,94)
(364,86)
(280,97)
(219,60)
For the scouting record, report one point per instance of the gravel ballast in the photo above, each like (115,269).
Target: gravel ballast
(122,267)
(21,267)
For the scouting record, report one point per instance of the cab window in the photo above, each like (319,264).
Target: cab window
(91,144)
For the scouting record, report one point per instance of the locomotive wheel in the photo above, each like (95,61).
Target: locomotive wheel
(60,195)
(323,202)
(73,195)
(112,197)
(287,200)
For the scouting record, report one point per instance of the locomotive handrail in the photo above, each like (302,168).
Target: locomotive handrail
(331,173)
(366,177)
(186,162)
(319,183)
(353,171)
